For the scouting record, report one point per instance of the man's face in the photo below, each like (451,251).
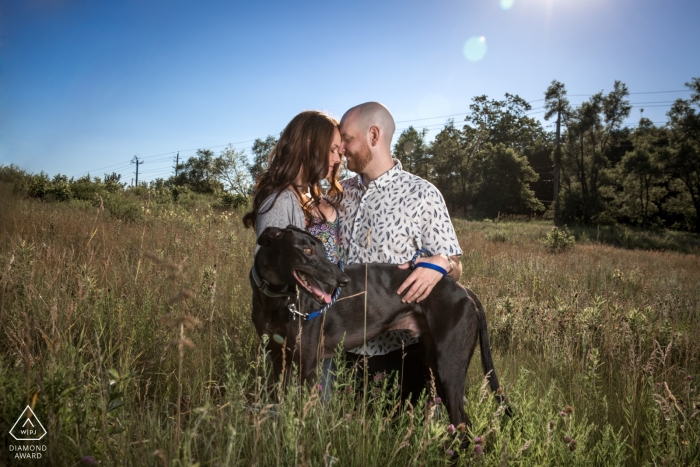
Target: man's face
(354,145)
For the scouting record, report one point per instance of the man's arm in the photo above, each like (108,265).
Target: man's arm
(437,235)
(422,280)
(456,271)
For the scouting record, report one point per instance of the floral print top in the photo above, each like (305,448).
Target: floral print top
(327,232)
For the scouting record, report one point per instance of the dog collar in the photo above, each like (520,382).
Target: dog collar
(265,288)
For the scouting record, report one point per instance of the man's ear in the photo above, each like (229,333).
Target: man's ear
(375,135)
(269,235)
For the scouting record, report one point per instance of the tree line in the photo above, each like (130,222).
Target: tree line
(591,169)
(503,161)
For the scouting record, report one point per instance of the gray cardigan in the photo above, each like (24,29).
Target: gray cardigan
(286,211)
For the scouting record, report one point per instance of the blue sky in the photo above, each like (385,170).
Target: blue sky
(87,84)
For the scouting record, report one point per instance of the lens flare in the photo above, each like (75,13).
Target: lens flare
(475,48)
(507,4)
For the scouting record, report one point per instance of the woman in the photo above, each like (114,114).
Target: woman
(290,192)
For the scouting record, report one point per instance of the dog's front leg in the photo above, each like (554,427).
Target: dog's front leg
(308,348)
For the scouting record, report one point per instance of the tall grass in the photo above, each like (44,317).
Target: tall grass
(131,336)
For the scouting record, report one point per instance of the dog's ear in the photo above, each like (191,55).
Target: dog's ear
(269,234)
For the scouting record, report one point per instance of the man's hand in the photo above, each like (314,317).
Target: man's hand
(422,280)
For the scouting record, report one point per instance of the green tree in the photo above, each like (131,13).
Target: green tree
(447,161)
(113,182)
(412,151)
(556,103)
(641,174)
(683,161)
(504,186)
(454,153)
(591,130)
(233,171)
(457,160)
(506,122)
(261,154)
(199,173)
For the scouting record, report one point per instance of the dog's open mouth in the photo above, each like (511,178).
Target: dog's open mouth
(312,287)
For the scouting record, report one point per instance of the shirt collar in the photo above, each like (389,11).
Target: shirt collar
(384,179)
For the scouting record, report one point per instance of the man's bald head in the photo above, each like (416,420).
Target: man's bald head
(364,116)
(366,131)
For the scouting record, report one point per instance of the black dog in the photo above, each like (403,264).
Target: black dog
(451,319)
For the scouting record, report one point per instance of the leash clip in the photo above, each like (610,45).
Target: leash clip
(418,253)
(293,311)
(292,307)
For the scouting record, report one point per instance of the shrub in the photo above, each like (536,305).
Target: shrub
(141,190)
(498,236)
(60,191)
(231,201)
(113,187)
(177,191)
(38,185)
(559,239)
(123,208)
(85,190)
(13,174)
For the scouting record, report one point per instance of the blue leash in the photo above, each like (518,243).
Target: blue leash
(432,266)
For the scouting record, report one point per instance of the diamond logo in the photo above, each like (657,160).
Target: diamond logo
(28,427)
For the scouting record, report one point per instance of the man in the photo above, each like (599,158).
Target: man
(386,216)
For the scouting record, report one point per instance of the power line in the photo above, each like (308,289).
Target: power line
(635,93)
(536,110)
(533,111)
(430,118)
(150,160)
(152,171)
(123,164)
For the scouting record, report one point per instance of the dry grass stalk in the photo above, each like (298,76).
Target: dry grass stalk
(405,442)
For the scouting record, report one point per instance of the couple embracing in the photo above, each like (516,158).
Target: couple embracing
(382,215)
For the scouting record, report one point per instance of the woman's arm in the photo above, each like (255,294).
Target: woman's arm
(285,211)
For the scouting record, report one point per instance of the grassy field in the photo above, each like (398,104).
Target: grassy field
(131,338)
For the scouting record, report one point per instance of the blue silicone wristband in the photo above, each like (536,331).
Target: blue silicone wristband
(432,266)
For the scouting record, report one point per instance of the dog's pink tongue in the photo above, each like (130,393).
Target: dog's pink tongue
(326,297)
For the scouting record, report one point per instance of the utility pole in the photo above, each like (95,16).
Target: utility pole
(136,161)
(177,162)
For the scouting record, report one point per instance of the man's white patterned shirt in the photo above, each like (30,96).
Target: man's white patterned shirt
(387,222)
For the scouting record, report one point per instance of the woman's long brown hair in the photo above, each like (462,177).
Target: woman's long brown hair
(303,148)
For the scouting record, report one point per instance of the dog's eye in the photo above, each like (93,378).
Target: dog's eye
(308,250)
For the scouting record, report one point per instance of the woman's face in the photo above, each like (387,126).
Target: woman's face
(334,156)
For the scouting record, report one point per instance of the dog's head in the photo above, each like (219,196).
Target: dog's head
(293,256)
